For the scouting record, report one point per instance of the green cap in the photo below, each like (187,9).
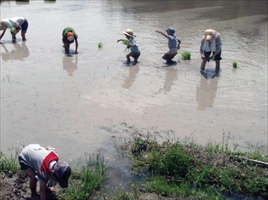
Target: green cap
(13,30)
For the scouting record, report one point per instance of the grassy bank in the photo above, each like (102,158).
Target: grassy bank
(185,169)
(174,169)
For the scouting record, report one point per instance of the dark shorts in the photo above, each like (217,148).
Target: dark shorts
(135,55)
(24,26)
(217,57)
(170,55)
(23,166)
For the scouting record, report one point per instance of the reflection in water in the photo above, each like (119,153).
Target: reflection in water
(70,64)
(171,76)
(18,53)
(206,92)
(133,71)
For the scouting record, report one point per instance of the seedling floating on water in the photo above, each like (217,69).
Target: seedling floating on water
(234,64)
(100,45)
(186,55)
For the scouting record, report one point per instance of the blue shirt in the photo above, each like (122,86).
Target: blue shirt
(136,48)
(172,42)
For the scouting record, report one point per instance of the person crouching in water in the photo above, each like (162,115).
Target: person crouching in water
(173,44)
(210,44)
(134,49)
(68,37)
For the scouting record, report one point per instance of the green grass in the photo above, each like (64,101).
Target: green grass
(100,45)
(235,64)
(85,182)
(186,55)
(9,165)
(176,167)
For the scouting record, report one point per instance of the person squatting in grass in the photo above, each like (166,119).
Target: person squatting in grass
(134,48)
(210,43)
(69,36)
(43,165)
(15,24)
(173,44)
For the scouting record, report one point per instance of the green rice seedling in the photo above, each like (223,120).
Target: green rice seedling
(100,45)
(235,64)
(85,182)
(186,55)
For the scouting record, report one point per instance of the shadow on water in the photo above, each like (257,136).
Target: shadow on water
(207,88)
(130,79)
(70,63)
(19,52)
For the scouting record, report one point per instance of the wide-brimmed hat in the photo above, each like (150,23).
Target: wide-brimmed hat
(70,36)
(171,30)
(209,34)
(62,171)
(129,32)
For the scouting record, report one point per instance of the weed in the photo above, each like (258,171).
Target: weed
(100,45)
(9,166)
(87,181)
(186,55)
(176,167)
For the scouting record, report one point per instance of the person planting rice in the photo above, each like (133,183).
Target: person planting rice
(68,37)
(15,24)
(173,44)
(210,44)
(42,164)
(131,43)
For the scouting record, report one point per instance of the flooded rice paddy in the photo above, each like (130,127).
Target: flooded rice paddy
(85,102)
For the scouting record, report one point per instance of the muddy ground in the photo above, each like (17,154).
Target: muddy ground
(16,188)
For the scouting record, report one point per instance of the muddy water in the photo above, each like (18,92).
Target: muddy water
(85,102)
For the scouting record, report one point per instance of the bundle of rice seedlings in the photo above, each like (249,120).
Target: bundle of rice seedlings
(186,55)
(126,42)
(234,64)
(100,45)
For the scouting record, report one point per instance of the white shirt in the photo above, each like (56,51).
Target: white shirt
(14,22)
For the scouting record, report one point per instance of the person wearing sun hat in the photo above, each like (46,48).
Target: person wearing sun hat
(69,36)
(15,24)
(132,44)
(43,165)
(210,44)
(173,44)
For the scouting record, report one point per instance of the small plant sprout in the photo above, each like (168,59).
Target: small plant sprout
(234,64)
(100,45)
(186,55)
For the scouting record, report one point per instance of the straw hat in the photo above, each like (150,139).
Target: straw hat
(70,36)
(209,34)
(129,32)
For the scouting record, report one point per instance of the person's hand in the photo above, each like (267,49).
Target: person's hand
(128,46)
(157,31)
(118,40)
(211,58)
(203,56)
(48,147)
(76,52)
(178,47)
